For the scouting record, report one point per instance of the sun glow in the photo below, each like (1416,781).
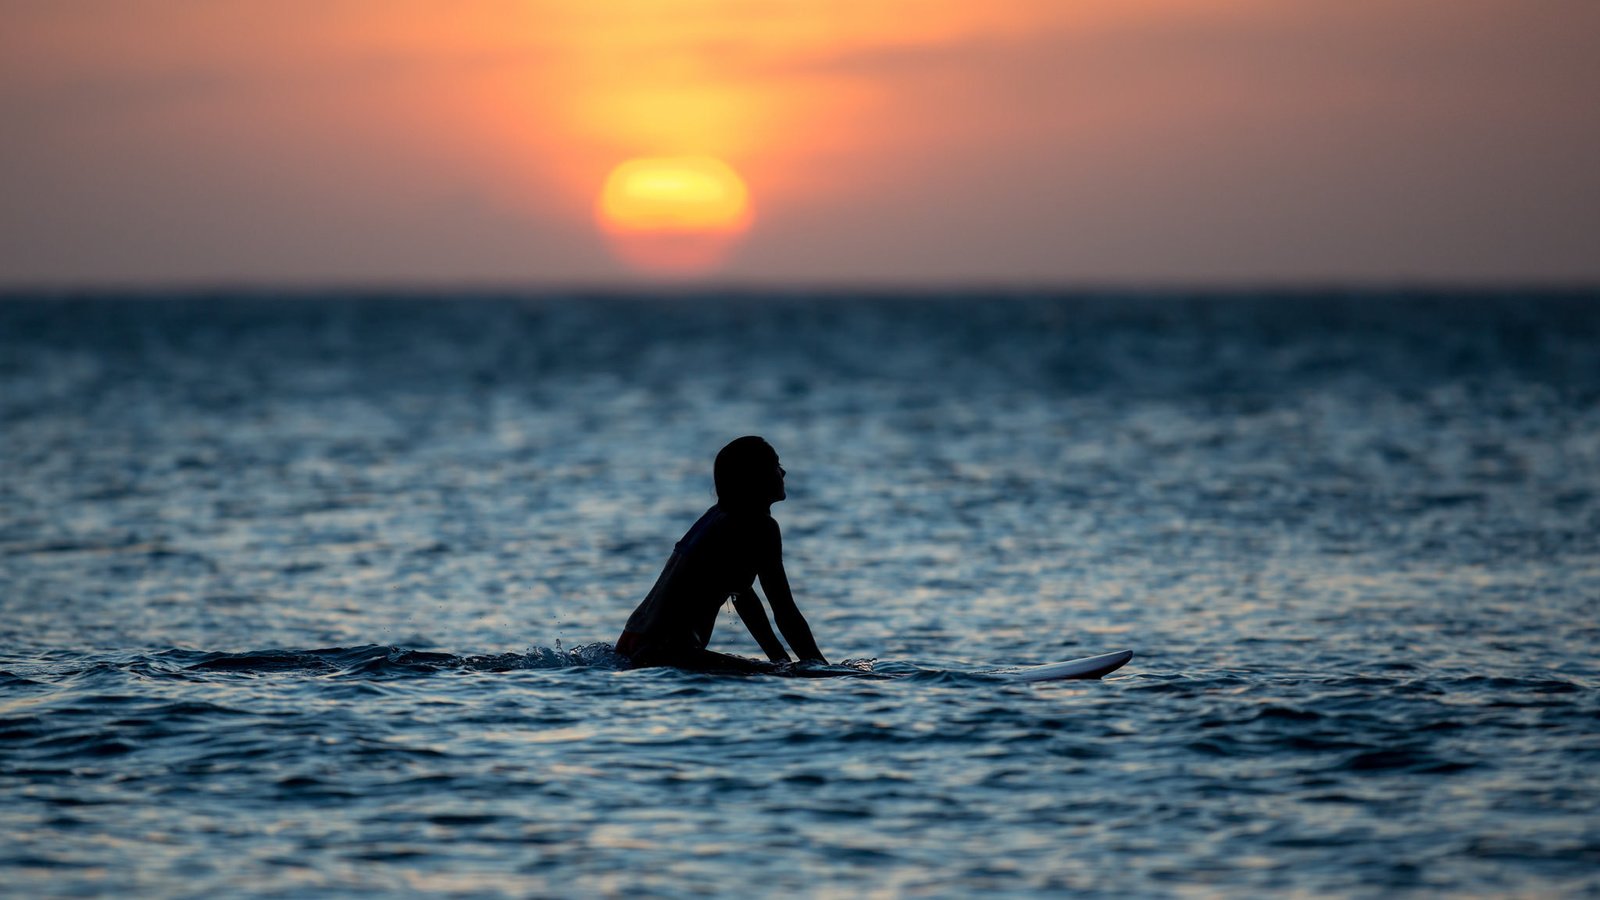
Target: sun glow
(675,215)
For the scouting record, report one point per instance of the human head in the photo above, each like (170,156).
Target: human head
(747,473)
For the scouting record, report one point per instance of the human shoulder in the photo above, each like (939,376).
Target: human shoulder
(764,531)
(755,524)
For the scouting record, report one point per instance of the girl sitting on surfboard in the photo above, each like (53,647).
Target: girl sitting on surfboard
(736,541)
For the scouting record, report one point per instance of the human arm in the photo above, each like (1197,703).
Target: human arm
(775,583)
(755,619)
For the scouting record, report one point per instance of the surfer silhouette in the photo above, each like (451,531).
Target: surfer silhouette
(721,556)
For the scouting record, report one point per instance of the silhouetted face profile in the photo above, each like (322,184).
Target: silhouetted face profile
(747,473)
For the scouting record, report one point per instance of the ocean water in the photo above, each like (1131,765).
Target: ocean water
(310,595)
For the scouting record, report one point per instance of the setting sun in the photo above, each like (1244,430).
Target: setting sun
(673,215)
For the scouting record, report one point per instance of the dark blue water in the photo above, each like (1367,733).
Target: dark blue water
(307,595)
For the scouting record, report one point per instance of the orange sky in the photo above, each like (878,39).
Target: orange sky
(908,141)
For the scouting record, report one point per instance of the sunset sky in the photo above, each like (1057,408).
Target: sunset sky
(395,142)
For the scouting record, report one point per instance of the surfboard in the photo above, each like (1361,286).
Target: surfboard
(1088,667)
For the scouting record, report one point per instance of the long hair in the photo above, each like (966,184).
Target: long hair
(743,471)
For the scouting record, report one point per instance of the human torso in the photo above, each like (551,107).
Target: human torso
(719,556)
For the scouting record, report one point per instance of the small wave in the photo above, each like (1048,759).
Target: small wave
(11,680)
(848,668)
(1287,714)
(262,661)
(382,660)
(596,655)
(1404,760)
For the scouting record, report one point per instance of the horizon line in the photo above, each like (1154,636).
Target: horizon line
(308,288)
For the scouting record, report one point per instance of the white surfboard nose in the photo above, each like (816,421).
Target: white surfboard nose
(1088,667)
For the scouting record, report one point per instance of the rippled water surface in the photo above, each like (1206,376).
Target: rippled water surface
(310,595)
